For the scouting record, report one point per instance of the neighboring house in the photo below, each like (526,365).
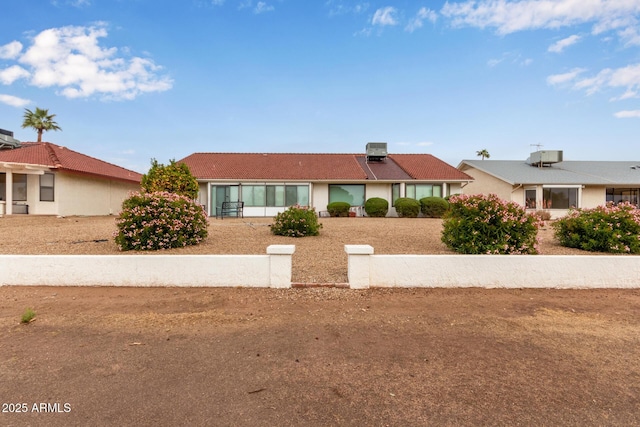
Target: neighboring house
(48,179)
(269,182)
(546,182)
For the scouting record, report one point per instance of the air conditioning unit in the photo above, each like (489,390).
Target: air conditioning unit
(376,151)
(547,157)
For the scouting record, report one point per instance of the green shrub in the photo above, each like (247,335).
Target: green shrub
(296,221)
(28,316)
(610,228)
(160,220)
(489,225)
(338,208)
(172,178)
(407,208)
(376,207)
(433,207)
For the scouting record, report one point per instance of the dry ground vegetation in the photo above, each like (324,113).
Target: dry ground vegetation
(313,356)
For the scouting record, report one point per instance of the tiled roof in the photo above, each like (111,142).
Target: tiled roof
(319,167)
(428,167)
(61,158)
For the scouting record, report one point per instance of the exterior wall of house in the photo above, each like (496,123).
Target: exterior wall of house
(454,188)
(487,184)
(593,196)
(82,195)
(319,196)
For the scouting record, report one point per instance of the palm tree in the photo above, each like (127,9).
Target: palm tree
(483,153)
(39,120)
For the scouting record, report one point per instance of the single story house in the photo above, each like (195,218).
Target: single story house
(48,179)
(268,183)
(546,182)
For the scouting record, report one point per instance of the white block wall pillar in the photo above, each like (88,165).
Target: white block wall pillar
(359,265)
(280,265)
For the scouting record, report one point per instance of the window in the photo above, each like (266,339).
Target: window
(3,186)
(46,187)
(297,195)
(530,199)
(350,193)
(19,187)
(559,198)
(395,193)
(254,195)
(275,195)
(618,195)
(419,191)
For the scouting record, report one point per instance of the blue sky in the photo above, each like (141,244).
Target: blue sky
(131,80)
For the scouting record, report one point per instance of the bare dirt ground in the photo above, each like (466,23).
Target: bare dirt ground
(318,356)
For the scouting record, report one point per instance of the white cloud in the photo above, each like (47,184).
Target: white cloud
(13,73)
(558,79)
(422,15)
(385,16)
(337,7)
(627,114)
(14,101)
(493,62)
(10,50)
(262,7)
(624,78)
(512,16)
(71,59)
(561,45)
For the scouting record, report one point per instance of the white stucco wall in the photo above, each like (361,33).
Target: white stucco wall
(490,271)
(486,184)
(83,195)
(593,197)
(271,270)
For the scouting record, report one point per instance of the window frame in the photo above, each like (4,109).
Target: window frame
(52,187)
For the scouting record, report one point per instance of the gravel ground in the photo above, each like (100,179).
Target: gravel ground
(319,259)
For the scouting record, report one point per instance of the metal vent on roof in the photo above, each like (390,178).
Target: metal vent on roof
(7,141)
(376,151)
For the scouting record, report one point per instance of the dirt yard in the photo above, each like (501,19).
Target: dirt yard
(310,357)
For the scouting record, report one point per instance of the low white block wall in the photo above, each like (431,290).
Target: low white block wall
(491,271)
(271,270)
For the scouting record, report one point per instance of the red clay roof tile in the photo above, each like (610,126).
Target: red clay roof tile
(319,167)
(61,158)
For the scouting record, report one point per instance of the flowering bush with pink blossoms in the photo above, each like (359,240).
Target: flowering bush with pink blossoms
(160,220)
(610,228)
(482,224)
(297,221)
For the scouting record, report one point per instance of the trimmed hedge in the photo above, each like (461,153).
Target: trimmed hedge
(297,221)
(407,208)
(433,207)
(376,207)
(338,208)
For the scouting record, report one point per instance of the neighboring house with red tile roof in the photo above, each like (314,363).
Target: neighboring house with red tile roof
(49,179)
(269,182)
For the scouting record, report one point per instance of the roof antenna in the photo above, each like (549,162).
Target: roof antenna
(538,146)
